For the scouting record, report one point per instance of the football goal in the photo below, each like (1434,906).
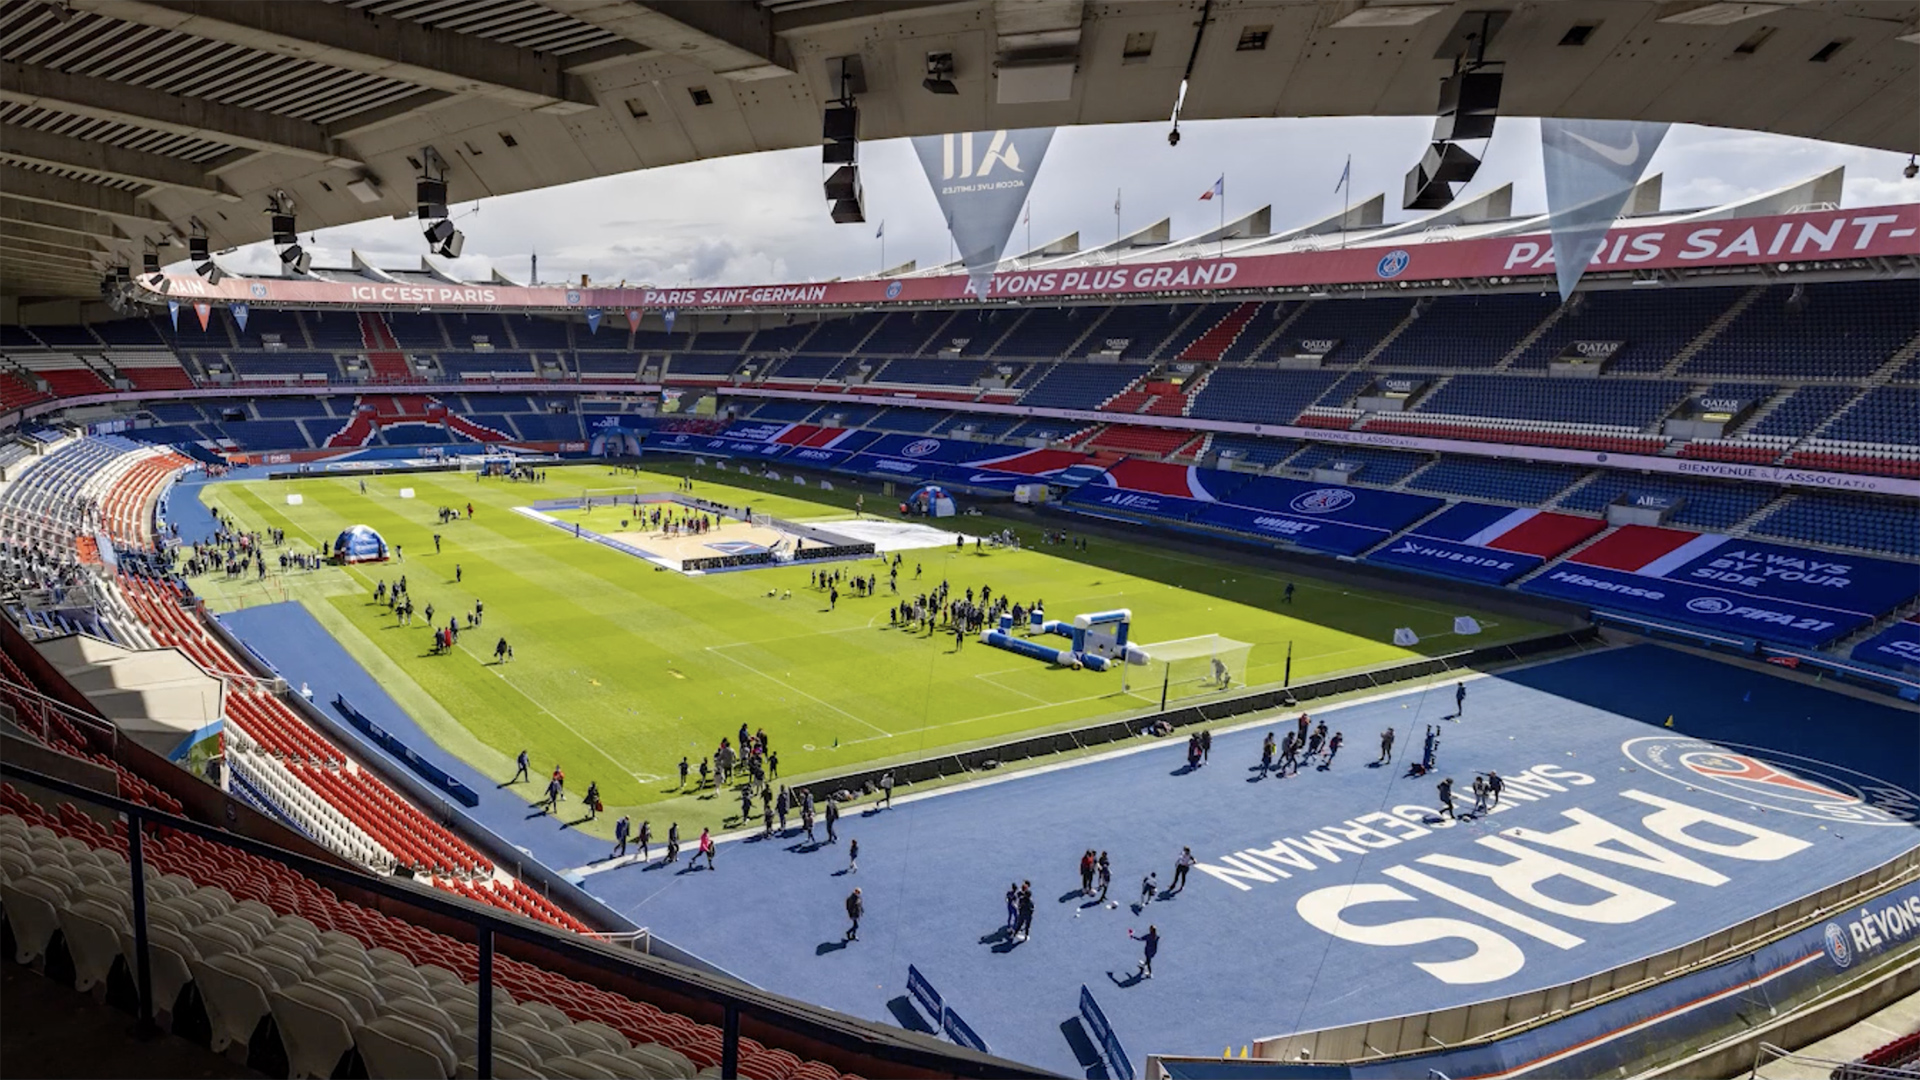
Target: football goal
(1188,668)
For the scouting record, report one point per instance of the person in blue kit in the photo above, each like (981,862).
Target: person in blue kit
(1151,941)
(1459,700)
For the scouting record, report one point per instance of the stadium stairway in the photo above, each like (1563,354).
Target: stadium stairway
(1720,322)
(1221,336)
(384,357)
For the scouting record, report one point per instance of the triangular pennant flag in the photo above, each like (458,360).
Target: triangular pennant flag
(1669,722)
(593,320)
(981,180)
(633,318)
(173,312)
(205,312)
(668,316)
(1591,168)
(239,315)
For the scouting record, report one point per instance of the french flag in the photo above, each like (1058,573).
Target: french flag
(1218,190)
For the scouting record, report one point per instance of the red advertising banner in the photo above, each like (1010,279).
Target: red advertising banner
(1875,232)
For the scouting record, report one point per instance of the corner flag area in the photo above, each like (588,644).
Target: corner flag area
(1332,896)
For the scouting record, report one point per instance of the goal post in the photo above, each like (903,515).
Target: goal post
(1188,668)
(608,496)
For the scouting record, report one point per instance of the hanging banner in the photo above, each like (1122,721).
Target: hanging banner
(239,315)
(668,316)
(593,320)
(1592,167)
(981,180)
(633,319)
(173,312)
(205,312)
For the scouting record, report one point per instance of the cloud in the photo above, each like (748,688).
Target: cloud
(763,217)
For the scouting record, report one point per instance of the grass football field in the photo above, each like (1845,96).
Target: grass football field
(621,668)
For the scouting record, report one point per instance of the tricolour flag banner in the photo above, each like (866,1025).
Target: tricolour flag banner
(1591,169)
(1217,191)
(981,180)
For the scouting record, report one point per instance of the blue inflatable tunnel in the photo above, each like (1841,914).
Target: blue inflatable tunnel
(357,544)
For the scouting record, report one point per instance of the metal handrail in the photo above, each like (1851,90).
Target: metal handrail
(734,999)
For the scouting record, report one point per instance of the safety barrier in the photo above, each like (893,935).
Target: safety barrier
(441,780)
(1263,700)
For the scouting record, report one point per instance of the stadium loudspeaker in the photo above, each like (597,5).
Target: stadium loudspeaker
(839,131)
(1423,192)
(197,249)
(150,263)
(1469,104)
(431,195)
(296,260)
(844,184)
(283,231)
(453,245)
(439,232)
(1449,163)
(848,212)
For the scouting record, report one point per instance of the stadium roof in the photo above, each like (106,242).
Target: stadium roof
(1479,243)
(124,122)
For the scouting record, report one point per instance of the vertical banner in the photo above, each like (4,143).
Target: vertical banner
(668,315)
(1592,167)
(593,321)
(204,311)
(981,180)
(239,315)
(173,312)
(633,319)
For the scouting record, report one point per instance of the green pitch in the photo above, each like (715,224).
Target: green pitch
(620,669)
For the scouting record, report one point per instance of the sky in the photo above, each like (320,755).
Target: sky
(761,218)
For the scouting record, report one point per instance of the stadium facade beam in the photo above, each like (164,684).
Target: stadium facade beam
(38,187)
(115,162)
(816,16)
(124,103)
(354,40)
(12,233)
(33,251)
(732,38)
(57,218)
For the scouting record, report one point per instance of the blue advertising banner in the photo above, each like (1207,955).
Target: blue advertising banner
(1801,575)
(964,476)
(1896,647)
(963,1035)
(815,457)
(756,430)
(1449,559)
(1103,1036)
(1696,605)
(928,998)
(1387,511)
(1319,535)
(929,448)
(869,465)
(1099,496)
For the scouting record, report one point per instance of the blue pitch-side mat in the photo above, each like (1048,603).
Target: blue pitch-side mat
(1653,837)
(1322,899)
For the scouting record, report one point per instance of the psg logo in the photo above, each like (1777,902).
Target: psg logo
(1322,501)
(893,290)
(1392,263)
(1774,781)
(1710,605)
(258,290)
(920,447)
(1838,950)
(573,296)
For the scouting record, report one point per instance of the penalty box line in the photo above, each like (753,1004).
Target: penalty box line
(720,651)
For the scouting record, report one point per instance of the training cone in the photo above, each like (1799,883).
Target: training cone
(1243,1053)
(1669,722)
(1226,1053)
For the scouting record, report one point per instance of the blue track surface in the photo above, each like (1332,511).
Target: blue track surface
(290,639)
(1242,963)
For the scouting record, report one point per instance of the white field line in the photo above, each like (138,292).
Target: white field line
(720,651)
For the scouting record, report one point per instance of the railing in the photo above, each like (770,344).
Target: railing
(875,1047)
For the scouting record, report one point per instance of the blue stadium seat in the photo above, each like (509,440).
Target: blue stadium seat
(1524,482)
(1708,504)
(1380,467)
(1264,453)
(1886,526)
(1143,326)
(1358,325)
(1837,330)
(1653,325)
(955,373)
(1046,333)
(1082,386)
(1803,411)
(1467,331)
(1630,403)
(1260,395)
(1886,414)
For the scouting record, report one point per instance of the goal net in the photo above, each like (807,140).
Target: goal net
(1189,668)
(592,497)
